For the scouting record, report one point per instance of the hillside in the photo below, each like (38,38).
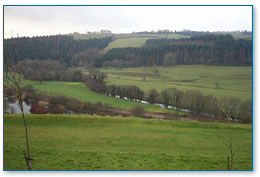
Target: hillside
(137,40)
(234,81)
(80,142)
(126,40)
(208,49)
(128,88)
(132,50)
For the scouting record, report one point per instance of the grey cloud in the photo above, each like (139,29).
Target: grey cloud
(64,19)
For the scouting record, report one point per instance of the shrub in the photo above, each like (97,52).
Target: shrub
(33,97)
(58,100)
(28,89)
(137,111)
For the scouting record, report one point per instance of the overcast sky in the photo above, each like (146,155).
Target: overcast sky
(49,20)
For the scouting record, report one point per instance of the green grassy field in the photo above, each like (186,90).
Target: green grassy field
(79,36)
(81,142)
(235,81)
(78,91)
(127,42)
(137,40)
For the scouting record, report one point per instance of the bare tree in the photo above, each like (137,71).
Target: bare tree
(153,96)
(246,112)
(144,77)
(165,98)
(13,77)
(227,140)
(230,107)
(218,84)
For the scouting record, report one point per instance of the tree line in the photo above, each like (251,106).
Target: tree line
(95,81)
(208,49)
(190,33)
(49,70)
(58,104)
(61,48)
(192,100)
(206,106)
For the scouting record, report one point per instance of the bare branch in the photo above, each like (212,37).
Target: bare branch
(13,74)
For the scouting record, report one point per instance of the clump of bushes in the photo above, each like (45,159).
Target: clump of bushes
(137,111)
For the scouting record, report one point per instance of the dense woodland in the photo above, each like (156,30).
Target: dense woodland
(207,49)
(184,32)
(60,47)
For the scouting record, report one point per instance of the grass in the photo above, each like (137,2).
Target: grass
(78,91)
(169,36)
(127,42)
(85,36)
(235,81)
(78,36)
(82,142)
(137,40)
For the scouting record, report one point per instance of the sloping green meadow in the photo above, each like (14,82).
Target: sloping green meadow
(137,40)
(127,42)
(235,81)
(78,91)
(83,142)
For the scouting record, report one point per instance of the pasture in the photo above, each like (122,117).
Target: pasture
(83,142)
(78,91)
(80,36)
(137,40)
(127,42)
(235,81)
